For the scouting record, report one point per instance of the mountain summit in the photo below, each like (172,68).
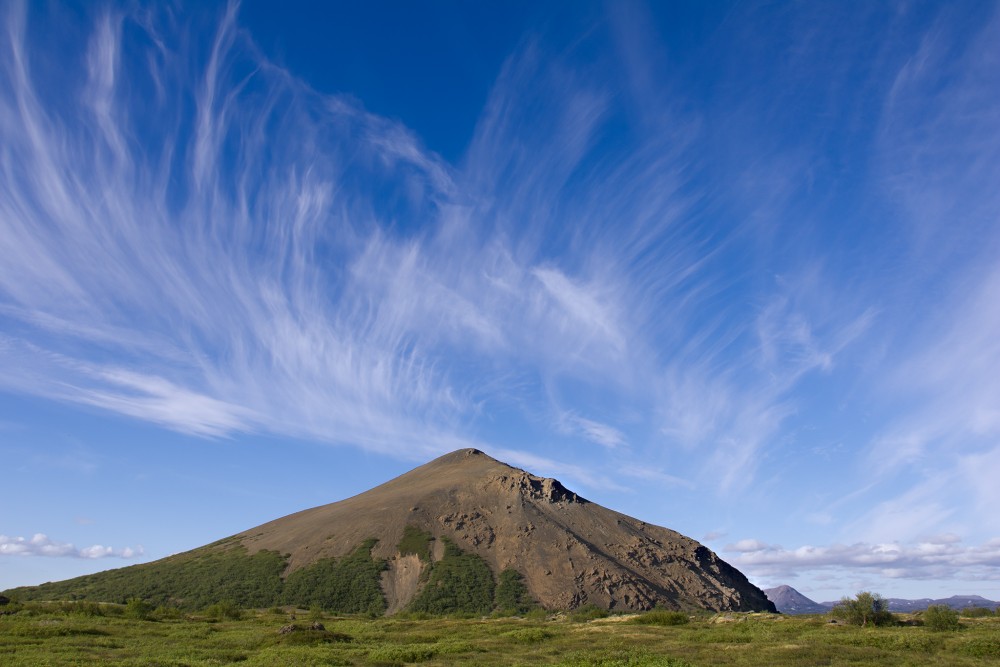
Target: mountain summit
(569,550)
(464,532)
(790,601)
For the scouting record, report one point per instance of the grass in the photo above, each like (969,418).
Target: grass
(54,634)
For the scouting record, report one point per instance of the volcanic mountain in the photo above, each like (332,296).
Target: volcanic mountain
(790,601)
(466,510)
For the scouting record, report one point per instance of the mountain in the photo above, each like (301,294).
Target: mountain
(790,601)
(463,532)
(955,602)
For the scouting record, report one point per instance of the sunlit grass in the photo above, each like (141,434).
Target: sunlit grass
(53,634)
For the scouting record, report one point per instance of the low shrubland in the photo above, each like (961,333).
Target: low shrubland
(225,573)
(71,633)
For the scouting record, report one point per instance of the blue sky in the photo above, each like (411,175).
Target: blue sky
(729,268)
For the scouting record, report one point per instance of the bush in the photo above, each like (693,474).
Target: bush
(661,617)
(588,612)
(351,585)
(976,612)
(224,610)
(167,612)
(191,580)
(940,618)
(416,541)
(866,608)
(82,608)
(138,609)
(458,583)
(512,595)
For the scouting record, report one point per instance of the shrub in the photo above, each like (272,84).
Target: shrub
(976,612)
(512,595)
(167,612)
(224,610)
(940,618)
(866,608)
(191,580)
(138,609)
(415,541)
(537,614)
(351,585)
(458,583)
(82,608)
(661,617)
(588,612)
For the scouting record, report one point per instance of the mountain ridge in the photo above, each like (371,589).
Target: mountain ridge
(787,600)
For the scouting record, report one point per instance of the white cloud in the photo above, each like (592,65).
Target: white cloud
(586,311)
(40,545)
(941,557)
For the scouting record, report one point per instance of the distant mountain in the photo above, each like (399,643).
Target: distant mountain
(462,527)
(790,601)
(955,602)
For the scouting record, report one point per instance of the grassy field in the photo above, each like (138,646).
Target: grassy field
(53,634)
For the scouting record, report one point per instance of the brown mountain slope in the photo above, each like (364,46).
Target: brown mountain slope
(569,550)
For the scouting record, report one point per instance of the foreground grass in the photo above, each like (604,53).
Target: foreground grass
(45,635)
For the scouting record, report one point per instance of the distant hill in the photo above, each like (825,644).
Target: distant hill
(790,601)
(464,532)
(955,602)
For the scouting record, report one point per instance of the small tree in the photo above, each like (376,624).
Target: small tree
(866,608)
(941,617)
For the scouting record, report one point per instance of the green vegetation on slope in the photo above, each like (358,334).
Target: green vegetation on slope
(512,595)
(350,585)
(416,541)
(225,572)
(458,583)
(191,580)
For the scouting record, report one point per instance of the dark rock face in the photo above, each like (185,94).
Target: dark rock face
(569,551)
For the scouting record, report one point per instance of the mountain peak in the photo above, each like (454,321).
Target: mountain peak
(459,456)
(563,551)
(790,601)
(570,551)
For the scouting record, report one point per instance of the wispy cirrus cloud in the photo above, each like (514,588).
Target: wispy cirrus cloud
(41,545)
(268,258)
(196,238)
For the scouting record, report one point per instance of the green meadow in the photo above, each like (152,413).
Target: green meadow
(81,633)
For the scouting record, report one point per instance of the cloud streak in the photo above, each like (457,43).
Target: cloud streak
(41,545)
